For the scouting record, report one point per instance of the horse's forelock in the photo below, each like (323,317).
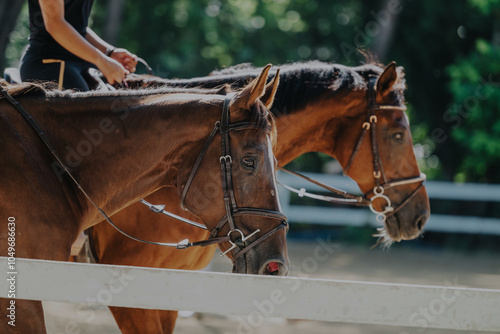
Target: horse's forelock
(400,84)
(365,71)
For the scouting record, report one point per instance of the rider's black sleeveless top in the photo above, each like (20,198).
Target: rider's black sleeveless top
(76,12)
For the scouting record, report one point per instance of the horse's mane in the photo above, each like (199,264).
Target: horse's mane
(27,88)
(260,115)
(303,82)
(50,90)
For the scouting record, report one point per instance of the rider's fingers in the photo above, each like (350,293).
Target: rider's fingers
(130,60)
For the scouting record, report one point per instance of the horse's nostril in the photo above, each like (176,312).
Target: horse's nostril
(272,268)
(421,222)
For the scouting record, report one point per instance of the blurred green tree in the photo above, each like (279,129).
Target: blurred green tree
(9,12)
(184,39)
(475,106)
(434,36)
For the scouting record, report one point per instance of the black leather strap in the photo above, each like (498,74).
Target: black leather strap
(198,163)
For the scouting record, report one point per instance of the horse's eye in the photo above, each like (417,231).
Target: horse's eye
(248,162)
(398,137)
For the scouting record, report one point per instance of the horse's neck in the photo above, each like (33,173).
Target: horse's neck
(304,108)
(121,154)
(309,114)
(310,129)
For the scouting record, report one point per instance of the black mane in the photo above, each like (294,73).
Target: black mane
(304,82)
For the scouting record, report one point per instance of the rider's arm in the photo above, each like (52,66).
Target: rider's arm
(71,40)
(127,59)
(97,41)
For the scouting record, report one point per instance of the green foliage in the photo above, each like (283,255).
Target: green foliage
(475,85)
(485,6)
(183,38)
(18,39)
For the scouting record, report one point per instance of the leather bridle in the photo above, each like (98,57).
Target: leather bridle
(235,237)
(224,127)
(381,182)
(232,210)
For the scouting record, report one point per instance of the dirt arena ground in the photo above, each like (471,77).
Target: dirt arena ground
(403,264)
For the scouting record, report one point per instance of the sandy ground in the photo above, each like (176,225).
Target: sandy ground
(404,264)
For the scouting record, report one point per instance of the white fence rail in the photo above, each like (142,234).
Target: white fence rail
(359,217)
(255,297)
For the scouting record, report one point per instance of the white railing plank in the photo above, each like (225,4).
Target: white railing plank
(253,297)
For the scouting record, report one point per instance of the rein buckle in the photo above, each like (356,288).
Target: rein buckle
(243,239)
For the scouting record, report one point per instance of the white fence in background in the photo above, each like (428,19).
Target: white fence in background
(359,217)
(252,297)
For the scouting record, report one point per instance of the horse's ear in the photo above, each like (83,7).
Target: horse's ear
(252,91)
(387,79)
(270,91)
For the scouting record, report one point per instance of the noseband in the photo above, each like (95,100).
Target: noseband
(381,182)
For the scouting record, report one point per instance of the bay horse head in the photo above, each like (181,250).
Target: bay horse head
(240,182)
(383,145)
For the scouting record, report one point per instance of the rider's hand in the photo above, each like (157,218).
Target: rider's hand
(112,70)
(124,57)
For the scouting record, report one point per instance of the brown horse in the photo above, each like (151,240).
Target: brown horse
(318,107)
(121,147)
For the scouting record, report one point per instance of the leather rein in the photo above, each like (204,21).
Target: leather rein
(381,182)
(232,208)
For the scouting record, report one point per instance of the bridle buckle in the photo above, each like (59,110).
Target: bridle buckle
(225,158)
